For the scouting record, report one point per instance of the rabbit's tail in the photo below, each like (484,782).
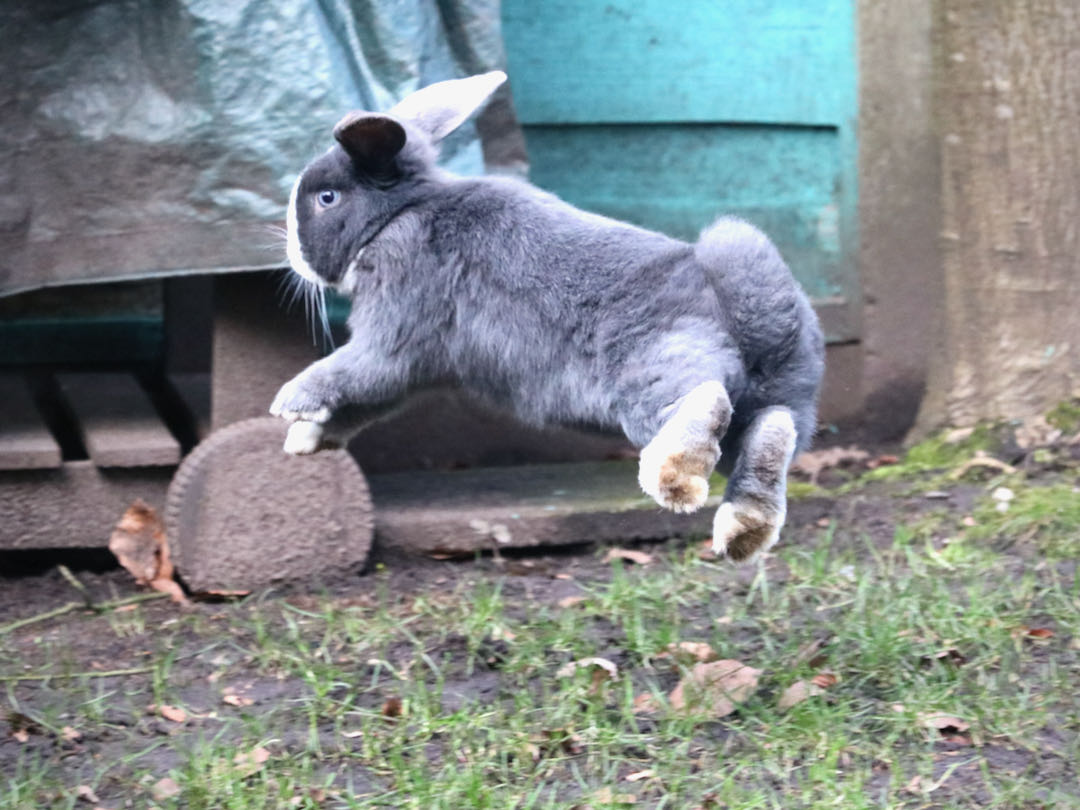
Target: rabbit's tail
(770,318)
(757,291)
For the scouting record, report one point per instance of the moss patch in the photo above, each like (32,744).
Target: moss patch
(1046,515)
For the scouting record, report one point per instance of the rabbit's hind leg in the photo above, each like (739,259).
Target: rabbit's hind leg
(675,465)
(755,503)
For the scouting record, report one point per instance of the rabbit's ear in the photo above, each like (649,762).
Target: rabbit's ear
(440,108)
(370,139)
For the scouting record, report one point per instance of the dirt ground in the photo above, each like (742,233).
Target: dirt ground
(117,708)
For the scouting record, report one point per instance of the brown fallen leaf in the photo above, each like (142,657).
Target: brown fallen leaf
(689,651)
(234,699)
(825,679)
(815,462)
(173,713)
(797,693)
(604,665)
(69,734)
(570,601)
(884,460)
(645,704)
(164,789)
(392,708)
(248,763)
(639,557)
(637,776)
(140,544)
(605,796)
(945,723)
(715,687)
(22,726)
(86,793)
(1040,632)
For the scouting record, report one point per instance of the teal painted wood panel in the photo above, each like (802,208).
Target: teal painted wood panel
(591,61)
(671,114)
(679,178)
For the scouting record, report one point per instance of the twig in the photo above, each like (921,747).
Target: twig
(106,674)
(70,606)
(65,572)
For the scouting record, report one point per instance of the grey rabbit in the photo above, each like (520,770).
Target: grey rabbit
(700,353)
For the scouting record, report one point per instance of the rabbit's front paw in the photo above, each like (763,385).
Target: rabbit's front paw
(303,438)
(302,400)
(676,477)
(741,530)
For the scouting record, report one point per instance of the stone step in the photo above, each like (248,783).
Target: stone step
(462,512)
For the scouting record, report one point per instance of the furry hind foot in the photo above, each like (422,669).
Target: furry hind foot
(755,504)
(741,531)
(675,466)
(676,479)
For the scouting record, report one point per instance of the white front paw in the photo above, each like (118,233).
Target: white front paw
(303,438)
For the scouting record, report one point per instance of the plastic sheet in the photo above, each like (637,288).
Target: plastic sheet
(152,138)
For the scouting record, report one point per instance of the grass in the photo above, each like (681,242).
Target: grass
(447,696)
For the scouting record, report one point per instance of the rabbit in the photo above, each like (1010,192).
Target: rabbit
(700,353)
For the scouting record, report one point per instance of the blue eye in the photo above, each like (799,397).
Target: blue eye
(328,197)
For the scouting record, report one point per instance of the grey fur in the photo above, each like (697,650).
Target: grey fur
(556,314)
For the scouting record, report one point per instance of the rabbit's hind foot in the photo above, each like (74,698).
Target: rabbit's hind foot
(675,466)
(750,518)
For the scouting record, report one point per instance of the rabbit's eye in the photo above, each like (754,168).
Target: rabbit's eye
(328,197)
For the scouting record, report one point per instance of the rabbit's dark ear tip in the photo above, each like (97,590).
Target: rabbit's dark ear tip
(370,137)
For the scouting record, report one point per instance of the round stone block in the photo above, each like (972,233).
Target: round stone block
(243,514)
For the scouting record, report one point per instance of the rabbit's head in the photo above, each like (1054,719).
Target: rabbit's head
(377,169)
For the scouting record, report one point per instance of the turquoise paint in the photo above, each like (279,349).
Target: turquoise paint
(632,172)
(668,115)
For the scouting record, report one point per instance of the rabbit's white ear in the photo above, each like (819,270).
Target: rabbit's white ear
(440,108)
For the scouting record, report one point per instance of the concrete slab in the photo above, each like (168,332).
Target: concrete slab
(120,427)
(512,507)
(25,441)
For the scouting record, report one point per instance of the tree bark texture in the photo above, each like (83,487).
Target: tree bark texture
(1008,98)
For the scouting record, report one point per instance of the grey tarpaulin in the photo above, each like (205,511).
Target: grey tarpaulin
(143,137)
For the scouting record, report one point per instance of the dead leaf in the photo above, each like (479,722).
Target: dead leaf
(825,679)
(817,461)
(1040,632)
(140,544)
(86,793)
(605,666)
(173,713)
(945,723)
(645,704)
(570,601)
(715,687)
(637,776)
(250,762)
(639,557)
(608,797)
(797,693)
(984,461)
(392,708)
(884,460)
(22,726)
(69,734)
(914,786)
(165,789)
(811,654)
(234,699)
(689,651)
(352,735)
(950,655)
